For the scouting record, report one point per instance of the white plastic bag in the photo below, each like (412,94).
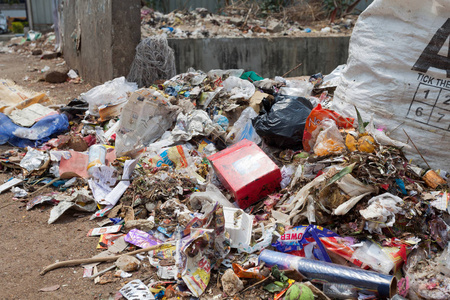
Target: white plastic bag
(111,92)
(243,128)
(238,88)
(381,212)
(297,88)
(398,70)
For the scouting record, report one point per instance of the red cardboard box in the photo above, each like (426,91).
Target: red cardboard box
(246,171)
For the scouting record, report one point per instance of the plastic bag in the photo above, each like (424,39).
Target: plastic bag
(297,88)
(281,124)
(376,257)
(328,139)
(317,115)
(34,160)
(238,88)
(144,119)
(218,73)
(243,128)
(313,242)
(402,89)
(111,92)
(381,212)
(33,136)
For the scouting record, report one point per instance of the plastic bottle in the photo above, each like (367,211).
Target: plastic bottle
(97,156)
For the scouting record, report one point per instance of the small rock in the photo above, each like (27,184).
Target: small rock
(128,263)
(274,27)
(231,283)
(56,77)
(144,225)
(36,52)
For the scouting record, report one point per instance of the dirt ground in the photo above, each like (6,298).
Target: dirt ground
(28,243)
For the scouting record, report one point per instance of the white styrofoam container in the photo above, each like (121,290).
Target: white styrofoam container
(239,226)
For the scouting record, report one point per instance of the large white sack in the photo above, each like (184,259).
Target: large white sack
(399,70)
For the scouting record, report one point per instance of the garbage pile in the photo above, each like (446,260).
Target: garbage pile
(228,184)
(35,43)
(200,23)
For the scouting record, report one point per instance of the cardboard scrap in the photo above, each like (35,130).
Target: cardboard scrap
(76,165)
(13,97)
(30,115)
(102,230)
(50,288)
(256,99)
(80,200)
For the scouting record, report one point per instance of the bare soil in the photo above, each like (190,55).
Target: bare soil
(28,243)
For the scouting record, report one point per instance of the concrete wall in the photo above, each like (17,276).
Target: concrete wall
(107,32)
(268,57)
(170,5)
(214,5)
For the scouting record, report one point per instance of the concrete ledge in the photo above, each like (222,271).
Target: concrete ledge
(267,56)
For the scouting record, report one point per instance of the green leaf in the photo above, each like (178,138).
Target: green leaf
(273,288)
(361,128)
(342,173)
(283,278)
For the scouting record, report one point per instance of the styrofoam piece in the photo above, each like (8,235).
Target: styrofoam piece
(239,225)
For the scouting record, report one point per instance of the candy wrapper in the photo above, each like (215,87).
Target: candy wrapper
(103,230)
(141,239)
(107,240)
(136,289)
(203,249)
(252,273)
(314,241)
(164,252)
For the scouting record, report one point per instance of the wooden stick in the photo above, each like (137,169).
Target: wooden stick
(76,262)
(255,284)
(43,187)
(416,149)
(101,272)
(292,70)
(246,18)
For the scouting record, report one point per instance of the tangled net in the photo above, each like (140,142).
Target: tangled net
(154,60)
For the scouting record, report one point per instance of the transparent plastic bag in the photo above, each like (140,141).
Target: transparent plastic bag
(328,139)
(111,92)
(243,128)
(144,119)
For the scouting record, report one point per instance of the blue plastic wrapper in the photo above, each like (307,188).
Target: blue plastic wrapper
(33,136)
(297,238)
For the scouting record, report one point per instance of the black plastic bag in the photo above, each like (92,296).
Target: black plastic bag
(281,123)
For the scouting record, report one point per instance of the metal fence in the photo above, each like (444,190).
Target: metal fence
(41,14)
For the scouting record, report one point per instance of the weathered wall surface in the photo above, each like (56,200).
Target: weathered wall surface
(100,37)
(268,57)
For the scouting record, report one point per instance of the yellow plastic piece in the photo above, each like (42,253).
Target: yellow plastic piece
(327,147)
(350,142)
(366,144)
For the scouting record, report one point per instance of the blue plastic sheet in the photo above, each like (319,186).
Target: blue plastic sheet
(32,136)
